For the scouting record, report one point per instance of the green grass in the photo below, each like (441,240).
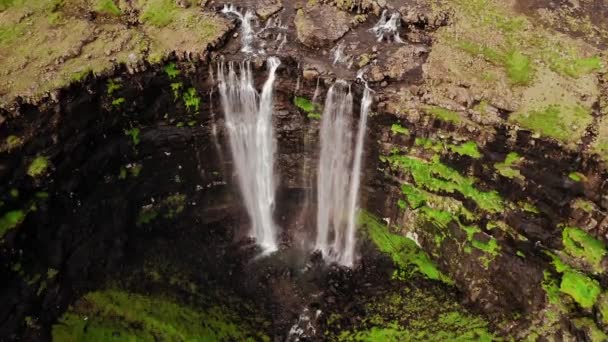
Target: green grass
(602,305)
(581,288)
(443,114)
(577,177)
(467,149)
(313,110)
(587,324)
(118,102)
(171,70)
(107,7)
(436,177)
(159,13)
(134,134)
(11,220)
(403,251)
(13,141)
(580,244)
(176,88)
(113,86)
(573,66)
(9,33)
(38,167)
(398,129)
(517,65)
(114,315)
(564,124)
(192,100)
(506,169)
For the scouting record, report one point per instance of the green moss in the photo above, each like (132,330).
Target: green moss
(602,306)
(313,110)
(108,7)
(134,134)
(574,66)
(506,169)
(159,12)
(584,205)
(443,114)
(577,177)
(120,316)
(580,244)
(556,122)
(10,33)
(13,141)
(551,288)
(176,88)
(528,207)
(519,68)
(314,116)
(581,288)
(38,167)
(146,215)
(113,86)
(588,325)
(117,102)
(171,70)
(403,251)
(169,208)
(467,149)
(81,75)
(398,129)
(437,177)
(192,100)
(11,220)
(14,193)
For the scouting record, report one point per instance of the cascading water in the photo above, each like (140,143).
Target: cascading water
(388,27)
(252,142)
(339,174)
(246,26)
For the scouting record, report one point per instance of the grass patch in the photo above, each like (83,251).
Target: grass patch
(10,33)
(555,121)
(118,102)
(134,134)
(577,177)
(398,129)
(116,315)
(11,220)
(443,114)
(12,142)
(107,7)
(159,13)
(38,166)
(436,177)
(580,244)
(192,100)
(113,86)
(171,70)
(517,65)
(313,110)
(506,169)
(467,149)
(404,252)
(581,288)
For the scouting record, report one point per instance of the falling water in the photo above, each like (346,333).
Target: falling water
(348,256)
(246,26)
(387,27)
(249,122)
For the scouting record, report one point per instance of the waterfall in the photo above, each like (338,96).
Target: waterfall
(339,174)
(387,27)
(246,26)
(249,122)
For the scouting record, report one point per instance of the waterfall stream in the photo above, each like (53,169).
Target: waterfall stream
(252,142)
(339,174)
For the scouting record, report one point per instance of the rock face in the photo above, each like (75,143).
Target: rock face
(321,26)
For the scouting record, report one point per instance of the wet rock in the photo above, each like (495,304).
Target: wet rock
(267,8)
(321,26)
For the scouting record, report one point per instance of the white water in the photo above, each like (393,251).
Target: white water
(388,27)
(339,174)
(252,142)
(246,20)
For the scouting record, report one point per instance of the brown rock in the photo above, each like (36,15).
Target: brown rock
(321,26)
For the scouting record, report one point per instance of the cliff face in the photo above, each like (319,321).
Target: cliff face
(485,149)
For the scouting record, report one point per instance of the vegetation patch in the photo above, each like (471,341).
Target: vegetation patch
(134,134)
(404,252)
(113,315)
(506,168)
(577,177)
(171,70)
(312,109)
(398,129)
(168,208)
(159,13)
(192,100)
(436,177)
(467,149)
(11,220)
(443,114)
(38,167)
(580,244)
(12,142)
(107,7)
(556,121)
(581,288)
